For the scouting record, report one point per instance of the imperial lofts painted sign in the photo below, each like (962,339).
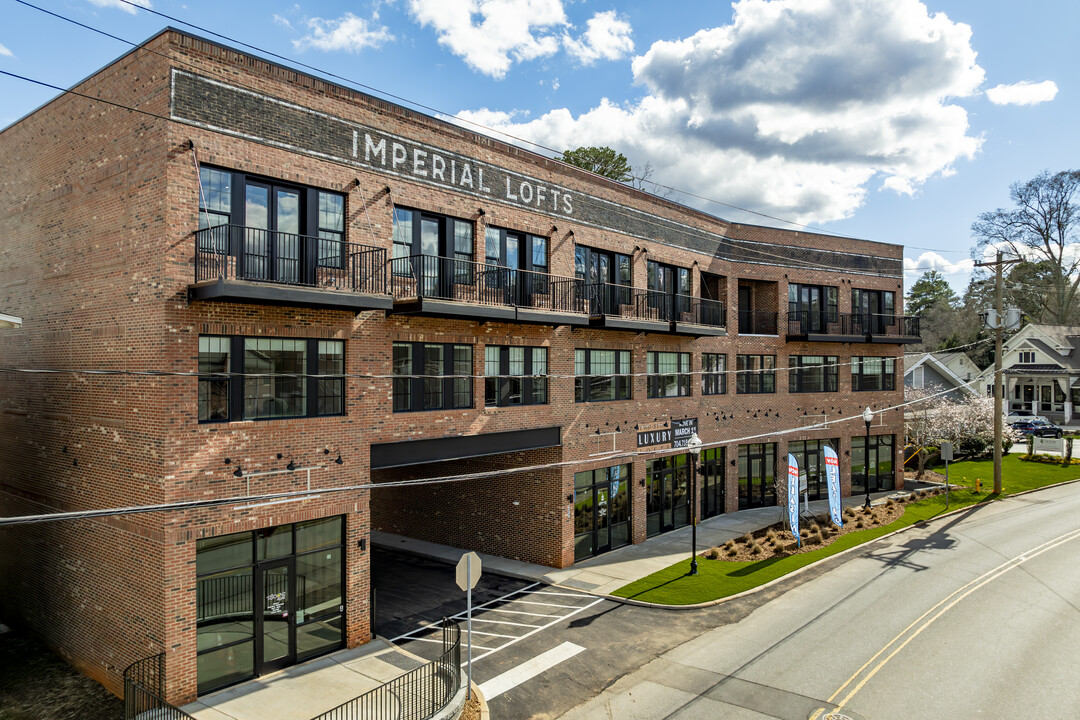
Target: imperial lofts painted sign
(243,113)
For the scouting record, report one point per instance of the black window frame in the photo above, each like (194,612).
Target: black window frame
(314,380)
(713,378)
(450,243)
(311,217)
(862,381)
(799,372)
(586,380)
(830,305)
(531,383)
(412,385)
(755,380)
(654,378)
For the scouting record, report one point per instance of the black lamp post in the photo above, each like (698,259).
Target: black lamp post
(868,417)
(694,446)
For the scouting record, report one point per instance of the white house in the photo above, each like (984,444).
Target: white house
(1041,367)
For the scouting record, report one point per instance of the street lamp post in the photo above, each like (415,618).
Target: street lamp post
(868,417)
(694,446)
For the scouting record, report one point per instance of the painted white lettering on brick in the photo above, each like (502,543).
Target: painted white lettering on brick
(568,204)
(526,192)
(355,138)
(419,161)
(466,175)
(399,155)
(480,180)
(540,195)
(509,192)
(438,166)
(372,148)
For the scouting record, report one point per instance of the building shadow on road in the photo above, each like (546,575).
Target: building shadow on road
(940,539)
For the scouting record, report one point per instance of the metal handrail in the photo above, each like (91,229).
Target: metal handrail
(441,278)
(416,695)
(700,311)
(236,252)
(806,322)
(144,691)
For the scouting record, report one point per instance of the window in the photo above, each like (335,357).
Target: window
(665,281)
(282,225)
(432,236)
(270,378)
(607,279)
(755,374)
(813,373)
(713,374)
(1027,357)
(515,375)
(425,376)
(814,306)
(873,373)
(601,375)
(515,250)
(668,374)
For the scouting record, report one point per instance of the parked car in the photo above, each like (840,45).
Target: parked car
(1018,416)
(1027,419)
(1039,427)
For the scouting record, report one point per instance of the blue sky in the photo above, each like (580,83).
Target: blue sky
(893,120)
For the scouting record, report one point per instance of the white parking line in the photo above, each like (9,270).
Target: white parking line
(530,602)
(504,622)
(527,670)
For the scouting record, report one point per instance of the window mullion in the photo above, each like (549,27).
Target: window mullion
(236,380)
(311,382)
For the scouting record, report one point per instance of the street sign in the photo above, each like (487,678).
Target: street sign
(946,450)
(468,573)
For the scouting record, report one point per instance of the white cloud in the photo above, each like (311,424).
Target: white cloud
(1023,93)
(283,21)
(956,273)
(348,32)
(606,37)
(118,4)
(492,34)
(795,108)
(5,52)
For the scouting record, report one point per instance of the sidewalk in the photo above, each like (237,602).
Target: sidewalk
(603,574)
(304,691)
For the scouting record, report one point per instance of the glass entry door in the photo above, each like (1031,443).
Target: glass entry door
(756,473)
(272,242)
(668,494)
(601,510)
(275,624)
(712,482)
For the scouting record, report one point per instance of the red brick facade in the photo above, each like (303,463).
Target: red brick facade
(98,208)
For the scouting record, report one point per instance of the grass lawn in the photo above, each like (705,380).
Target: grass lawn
(718,578)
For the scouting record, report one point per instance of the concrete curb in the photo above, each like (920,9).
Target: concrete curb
(485,712)
(793,573)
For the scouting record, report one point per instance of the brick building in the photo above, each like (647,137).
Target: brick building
(346,293)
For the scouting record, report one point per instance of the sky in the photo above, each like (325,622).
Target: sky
(891,120)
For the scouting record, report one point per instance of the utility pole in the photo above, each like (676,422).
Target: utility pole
(999,392)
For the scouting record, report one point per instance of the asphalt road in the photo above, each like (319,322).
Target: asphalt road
(974,616)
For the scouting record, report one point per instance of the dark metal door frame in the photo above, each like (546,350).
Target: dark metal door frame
(260,606)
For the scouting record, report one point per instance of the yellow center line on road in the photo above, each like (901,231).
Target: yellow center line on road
(948,602)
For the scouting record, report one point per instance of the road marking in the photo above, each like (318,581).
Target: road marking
(530,602)
(477,632)
(527,670)
(555,620)
(949,602)
(518,612)
(506,622)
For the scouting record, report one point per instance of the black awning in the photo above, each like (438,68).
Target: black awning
(418,452)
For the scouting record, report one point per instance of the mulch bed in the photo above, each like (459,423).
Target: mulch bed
(35,684)
(776,541)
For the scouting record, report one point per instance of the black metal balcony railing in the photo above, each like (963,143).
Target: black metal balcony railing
(754,322)
(700,311)
(235,252)
(628,302)
(898,326)
(810,323)
(144,691)
(428,276)
(417,695)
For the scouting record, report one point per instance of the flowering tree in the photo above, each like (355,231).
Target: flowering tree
(968,424)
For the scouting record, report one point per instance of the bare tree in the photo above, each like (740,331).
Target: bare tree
(1043,228)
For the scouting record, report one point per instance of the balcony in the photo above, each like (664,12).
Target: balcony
(895,329)
(815,327)
(757,322)
(853,328)
(234,263)
(447,287)
(699,316)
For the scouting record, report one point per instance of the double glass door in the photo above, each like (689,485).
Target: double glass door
(273,246)
(873,466)
(667,494)
(712,482)
(601,510)
(756,475)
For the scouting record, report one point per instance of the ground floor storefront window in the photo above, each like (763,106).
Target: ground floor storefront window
(667,494)
(712,482)
(268,599)
(601,510)
(875,465)
(757,470)
(811,457)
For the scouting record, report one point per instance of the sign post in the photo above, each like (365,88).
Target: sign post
(468,574)
(946,455)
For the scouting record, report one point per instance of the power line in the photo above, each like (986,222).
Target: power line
(557,154)
(308,493)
